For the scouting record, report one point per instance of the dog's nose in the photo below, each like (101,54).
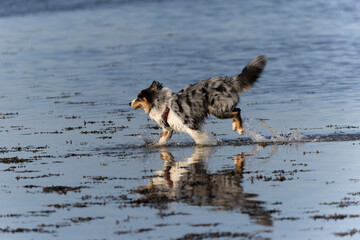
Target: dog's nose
(130,104)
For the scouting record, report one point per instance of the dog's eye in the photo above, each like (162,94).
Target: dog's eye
(139,99)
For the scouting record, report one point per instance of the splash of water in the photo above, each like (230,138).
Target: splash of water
(277,137)
(255,136)
(147,138)
(208,139)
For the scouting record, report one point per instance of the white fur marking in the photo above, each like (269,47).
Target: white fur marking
(234,126)
(201,138)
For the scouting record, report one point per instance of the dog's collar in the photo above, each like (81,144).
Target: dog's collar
(165,116)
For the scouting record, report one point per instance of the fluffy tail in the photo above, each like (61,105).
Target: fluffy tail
(249,74)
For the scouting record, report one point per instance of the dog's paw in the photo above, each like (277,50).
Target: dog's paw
(155,145)
(240,131)
(159,143)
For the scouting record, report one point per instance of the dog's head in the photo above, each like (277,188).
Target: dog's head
(145,99)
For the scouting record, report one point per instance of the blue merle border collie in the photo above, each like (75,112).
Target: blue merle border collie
(186,111)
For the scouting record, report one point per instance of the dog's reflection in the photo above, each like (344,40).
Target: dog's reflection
(189,181)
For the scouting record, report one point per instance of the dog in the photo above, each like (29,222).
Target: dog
(186,111)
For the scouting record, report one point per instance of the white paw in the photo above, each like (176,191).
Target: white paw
(234,126)
(240,131)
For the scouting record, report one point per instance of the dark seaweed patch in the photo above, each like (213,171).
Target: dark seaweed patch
(205,225)
(334,216)
(8,115)
(12,160)
(84,219)
(62,189)
(348,233)
(40,176)
(24,230)
(220,235)
(287,219)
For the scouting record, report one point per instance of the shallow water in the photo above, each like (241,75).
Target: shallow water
(74,158)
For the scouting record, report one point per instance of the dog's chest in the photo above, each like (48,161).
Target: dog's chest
(172,119)
(156,115)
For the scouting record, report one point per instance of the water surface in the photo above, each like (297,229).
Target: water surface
(74,163)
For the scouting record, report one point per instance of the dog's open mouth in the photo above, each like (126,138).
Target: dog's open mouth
(138,107)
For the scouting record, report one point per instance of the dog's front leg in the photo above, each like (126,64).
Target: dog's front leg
(164,137)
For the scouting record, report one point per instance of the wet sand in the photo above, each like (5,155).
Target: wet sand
(276,191)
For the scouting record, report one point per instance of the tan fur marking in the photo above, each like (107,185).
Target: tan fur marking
(237,124)
(144,104)
(164,137)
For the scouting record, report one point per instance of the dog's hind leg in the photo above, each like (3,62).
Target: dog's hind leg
(237,121)
(164,137)
(235,115)
(201,138)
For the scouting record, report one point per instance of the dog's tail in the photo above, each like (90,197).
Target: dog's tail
(249,74)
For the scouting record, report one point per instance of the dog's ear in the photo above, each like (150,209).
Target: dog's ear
(155,86)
